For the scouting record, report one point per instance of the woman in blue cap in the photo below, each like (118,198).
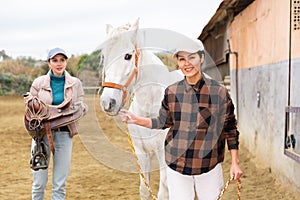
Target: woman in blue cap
(53,88)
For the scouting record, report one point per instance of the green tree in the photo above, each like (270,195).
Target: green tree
(168,60)
(21,84)
(90,62)
(5,83)
(72,66)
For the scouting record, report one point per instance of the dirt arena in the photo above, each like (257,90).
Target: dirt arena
(90,179)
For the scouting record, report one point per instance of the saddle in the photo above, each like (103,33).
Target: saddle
(41,119)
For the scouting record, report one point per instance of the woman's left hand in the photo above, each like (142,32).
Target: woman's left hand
(235,171)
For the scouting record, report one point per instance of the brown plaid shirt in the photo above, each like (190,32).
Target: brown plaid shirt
(200,118)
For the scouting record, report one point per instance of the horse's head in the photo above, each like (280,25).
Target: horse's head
(120,61)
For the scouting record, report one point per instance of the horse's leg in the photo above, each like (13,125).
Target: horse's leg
(145,163)
(163,192)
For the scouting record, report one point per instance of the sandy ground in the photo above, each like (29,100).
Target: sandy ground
(90,179)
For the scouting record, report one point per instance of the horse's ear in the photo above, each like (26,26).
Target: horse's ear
(135,26)
(109,28)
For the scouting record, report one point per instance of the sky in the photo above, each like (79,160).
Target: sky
(33,27)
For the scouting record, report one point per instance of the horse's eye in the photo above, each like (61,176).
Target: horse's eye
(127,56)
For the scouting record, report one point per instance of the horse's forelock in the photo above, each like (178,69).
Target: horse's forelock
(117,43)
(119,30)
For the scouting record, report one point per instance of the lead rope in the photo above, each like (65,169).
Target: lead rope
(137,54)
(226,186)
(138,165)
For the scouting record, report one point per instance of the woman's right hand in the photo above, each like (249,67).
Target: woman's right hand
(127,116)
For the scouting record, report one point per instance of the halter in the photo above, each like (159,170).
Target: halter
(125,86)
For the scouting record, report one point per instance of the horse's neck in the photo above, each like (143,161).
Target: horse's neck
(147,100)
(153,78)
(147,57)
(147,90)
(152,70)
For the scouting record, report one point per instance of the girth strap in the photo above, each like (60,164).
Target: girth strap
(49,135)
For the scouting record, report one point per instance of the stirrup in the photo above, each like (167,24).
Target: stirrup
(39,158)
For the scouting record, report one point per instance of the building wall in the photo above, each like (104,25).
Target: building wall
(260,36)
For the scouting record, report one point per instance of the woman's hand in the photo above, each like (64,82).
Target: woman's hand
(127,116)
(27,96)
(235,171)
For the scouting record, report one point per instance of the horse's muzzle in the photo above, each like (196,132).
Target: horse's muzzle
(109,105)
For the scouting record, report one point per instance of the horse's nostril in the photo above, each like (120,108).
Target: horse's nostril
(112,103)
(109,105)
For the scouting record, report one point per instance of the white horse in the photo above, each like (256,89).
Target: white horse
(129,70)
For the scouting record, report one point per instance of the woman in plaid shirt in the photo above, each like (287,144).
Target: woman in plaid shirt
(200,114)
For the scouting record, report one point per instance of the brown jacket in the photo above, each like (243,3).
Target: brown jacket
(73,90)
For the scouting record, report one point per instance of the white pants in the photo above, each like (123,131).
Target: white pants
(207,186)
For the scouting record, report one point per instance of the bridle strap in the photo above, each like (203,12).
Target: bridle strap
(124,87)
(136,56)
(112,85)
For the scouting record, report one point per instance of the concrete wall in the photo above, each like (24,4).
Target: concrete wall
(260,36)
(262,128)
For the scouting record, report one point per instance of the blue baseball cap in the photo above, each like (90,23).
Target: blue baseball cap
(55,51)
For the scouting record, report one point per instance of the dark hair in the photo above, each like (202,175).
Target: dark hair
(200,53)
